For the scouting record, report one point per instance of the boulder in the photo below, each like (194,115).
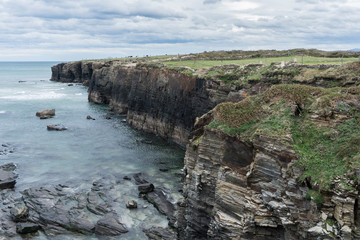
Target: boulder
(7,176)
(88,117)
(56,127)
(131,204)
(110,225)
(49,113)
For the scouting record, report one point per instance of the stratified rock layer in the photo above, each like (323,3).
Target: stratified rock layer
(237,190)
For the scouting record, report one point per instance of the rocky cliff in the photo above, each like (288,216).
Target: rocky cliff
(254,171)
(158,100)
(283,163)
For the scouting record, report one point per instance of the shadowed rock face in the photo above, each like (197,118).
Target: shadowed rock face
(161,101)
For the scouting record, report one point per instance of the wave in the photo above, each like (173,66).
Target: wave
(34,96)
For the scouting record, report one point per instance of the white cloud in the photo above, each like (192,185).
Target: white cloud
(51,30)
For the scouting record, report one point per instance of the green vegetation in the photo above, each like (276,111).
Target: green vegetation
(308,60)
(326,150)
(315,196)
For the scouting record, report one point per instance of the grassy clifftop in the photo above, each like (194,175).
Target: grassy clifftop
(323,123)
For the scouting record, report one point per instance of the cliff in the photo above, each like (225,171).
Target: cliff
(158,100)
(280,165)
(269,162)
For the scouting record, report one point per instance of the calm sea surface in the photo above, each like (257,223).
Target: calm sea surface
(87,151)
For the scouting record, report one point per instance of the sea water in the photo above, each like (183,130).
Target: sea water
(87,151)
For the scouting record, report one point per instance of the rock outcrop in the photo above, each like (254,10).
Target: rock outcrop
(242,186)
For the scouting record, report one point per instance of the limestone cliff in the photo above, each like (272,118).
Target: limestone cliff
(249,174)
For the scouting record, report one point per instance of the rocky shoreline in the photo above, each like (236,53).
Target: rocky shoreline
(63,210)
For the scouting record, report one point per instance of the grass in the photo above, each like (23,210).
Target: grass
(308,60)
(325,152)
(315,196)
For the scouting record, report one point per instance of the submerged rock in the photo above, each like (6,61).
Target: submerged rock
(110,225)
(146,188)
(56,127)
(49,113)
(7,176)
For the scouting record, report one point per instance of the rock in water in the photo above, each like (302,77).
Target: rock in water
(131,204)
(7,176)
(49,113)
(146,188)
(56,127)
(110,225)
(89,117)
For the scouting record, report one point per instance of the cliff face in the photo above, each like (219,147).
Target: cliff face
(254,186)
(162,101)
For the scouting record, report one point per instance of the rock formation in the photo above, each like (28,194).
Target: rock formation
(252,169)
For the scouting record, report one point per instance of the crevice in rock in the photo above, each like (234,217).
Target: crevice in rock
(356,212)
(298,110)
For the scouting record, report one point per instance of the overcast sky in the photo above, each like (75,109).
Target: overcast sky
(85,29)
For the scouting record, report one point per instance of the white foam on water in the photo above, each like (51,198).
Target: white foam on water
(35,96)
(78,94)
(2,112)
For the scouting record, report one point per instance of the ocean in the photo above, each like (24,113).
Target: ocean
(87,151)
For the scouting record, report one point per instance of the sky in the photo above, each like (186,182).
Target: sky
(46,30)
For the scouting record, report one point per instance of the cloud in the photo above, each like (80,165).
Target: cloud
(45,29)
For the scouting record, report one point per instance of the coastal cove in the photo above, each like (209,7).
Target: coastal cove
(88,153)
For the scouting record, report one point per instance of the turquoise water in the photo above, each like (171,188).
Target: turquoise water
(87,151)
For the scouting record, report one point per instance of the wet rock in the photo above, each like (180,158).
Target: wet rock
(159,233)
(146,188)
(21,81)
(131,204)
(25,228)
(139,179)
(89,117)
(127,178)
(49,113)
(56,127)
(19,213)
(110,225)
(163,170)
(162,203)
(7,176)
(80,222)
(70,85)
